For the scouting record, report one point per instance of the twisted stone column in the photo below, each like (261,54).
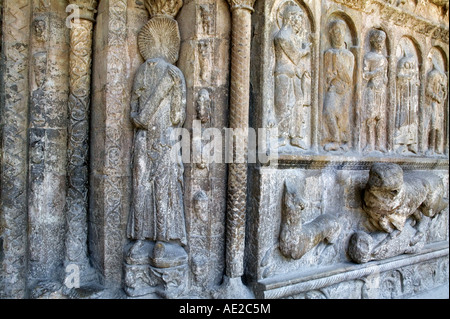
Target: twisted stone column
(239,116)
(78,131)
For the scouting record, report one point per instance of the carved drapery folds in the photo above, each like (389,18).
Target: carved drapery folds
(339,64)
(156,261)
(292,77)
(433,109)
(80,60)
(375,72)
(407,99)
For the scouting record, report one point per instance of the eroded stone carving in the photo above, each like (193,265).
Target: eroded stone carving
(159,7)
(339,65)
(207,18)
(396,204)
(78,139)
(203,106)
(14,112)
(296,237)
(407,102)
(40,29)
(156,222)
(201,206)
(38,96)
(204,59)
(374,112)
(292,76)
(433,115)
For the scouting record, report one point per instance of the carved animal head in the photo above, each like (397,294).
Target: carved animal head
(293,204)
(386,178)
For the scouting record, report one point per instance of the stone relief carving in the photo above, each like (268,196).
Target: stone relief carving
(339,65)
(78,140)
(156,223)
(203,106)
(38,96)
(207,18)
(407,103)
(203,110)
(434,112)
(158,7)
(398,207)
(296,237)
(292,76)
(115,147)
(374,108)
(158,263)
(40,29)
(205,60)
(14,110)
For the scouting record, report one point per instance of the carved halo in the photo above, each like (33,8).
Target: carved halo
(160,38)
(281,8)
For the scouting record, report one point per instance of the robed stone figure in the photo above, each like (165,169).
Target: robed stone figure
(157,109)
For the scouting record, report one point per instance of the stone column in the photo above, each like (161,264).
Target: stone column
(204,60)
(241,11)
(115,62)
(78,129)
(14,102)
(49,92)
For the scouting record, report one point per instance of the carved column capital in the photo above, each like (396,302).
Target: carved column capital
(163,7)
(87,8)
(241,4)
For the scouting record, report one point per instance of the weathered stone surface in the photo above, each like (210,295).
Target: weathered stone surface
(350,199)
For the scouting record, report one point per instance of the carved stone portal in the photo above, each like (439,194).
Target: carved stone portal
(156,260)
(396,204)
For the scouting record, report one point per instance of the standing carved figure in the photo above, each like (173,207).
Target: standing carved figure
(375,73)
(339,65)
(156,260)
(158,107)
(406,122)
(436,93)
(290,50)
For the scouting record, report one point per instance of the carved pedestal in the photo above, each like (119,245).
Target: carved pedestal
(159,268)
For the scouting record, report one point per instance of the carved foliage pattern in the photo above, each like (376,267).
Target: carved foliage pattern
(79,105)
(116,98)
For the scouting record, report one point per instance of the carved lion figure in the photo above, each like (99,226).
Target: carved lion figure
(391,197)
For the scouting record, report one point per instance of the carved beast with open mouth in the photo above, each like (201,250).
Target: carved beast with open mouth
(391,197)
